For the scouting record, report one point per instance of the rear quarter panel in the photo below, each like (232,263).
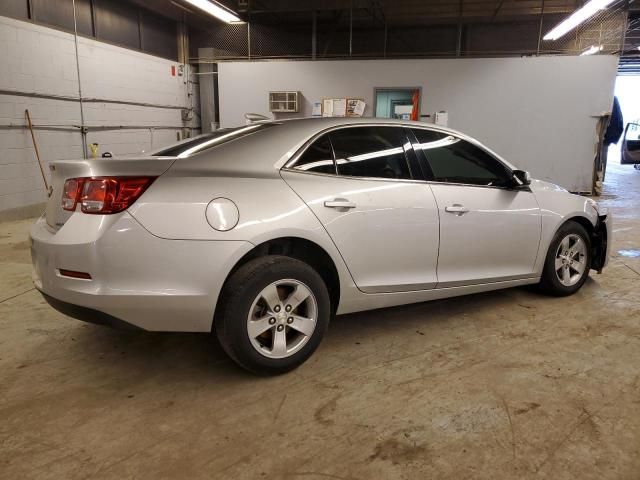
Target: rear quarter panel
(174,208)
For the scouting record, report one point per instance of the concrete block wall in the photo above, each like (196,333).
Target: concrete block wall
(38,59)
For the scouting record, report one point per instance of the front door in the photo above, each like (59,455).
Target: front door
(383,221)
(489,231)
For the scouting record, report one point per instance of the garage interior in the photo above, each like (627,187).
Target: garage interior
(506,384)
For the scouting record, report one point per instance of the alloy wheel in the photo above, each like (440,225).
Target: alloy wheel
(282,318)
(571,260)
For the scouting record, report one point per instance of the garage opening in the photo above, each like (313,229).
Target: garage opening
(623,156)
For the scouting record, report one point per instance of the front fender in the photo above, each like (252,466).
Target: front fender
(557,206)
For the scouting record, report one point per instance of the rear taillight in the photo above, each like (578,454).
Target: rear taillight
(71,193)
(103,195)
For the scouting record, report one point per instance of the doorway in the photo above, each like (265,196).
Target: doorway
(401,103)
(627,90)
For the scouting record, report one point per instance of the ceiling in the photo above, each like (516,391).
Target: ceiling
(287,14)
(394,12)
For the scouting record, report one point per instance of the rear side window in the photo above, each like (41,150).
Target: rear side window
(453,160)
(209,140)
(318,157)
(376,152)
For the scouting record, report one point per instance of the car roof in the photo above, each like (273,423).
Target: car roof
(265,151)
(321,123)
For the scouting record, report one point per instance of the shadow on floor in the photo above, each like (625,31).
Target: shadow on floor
(170,355)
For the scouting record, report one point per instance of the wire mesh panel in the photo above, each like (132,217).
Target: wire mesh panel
(428,40)
(368,42)
(228,41)
(604,31)
(456,28)
(269,41)
(491,39)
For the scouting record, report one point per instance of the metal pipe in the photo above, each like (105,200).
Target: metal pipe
(314,38)
(75,38)
(67,98)
(249,37)
(540,29)
(384,48)
(459,32)
(56,128)
(351,28)
(625,26)
(78,128)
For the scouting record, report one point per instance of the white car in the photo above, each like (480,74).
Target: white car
(262,233)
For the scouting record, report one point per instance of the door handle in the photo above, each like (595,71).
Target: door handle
(340,203)
(457,209)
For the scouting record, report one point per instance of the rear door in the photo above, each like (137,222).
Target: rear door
(365,186)
(489,231)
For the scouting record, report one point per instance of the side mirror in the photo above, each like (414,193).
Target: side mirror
(521,178)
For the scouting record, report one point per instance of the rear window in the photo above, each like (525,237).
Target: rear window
(209,140)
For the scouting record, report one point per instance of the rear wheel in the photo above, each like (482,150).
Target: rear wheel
(568,260)
(273,314)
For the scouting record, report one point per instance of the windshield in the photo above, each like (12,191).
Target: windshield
(209,140)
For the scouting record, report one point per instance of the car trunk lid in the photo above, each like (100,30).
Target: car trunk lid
(64,169)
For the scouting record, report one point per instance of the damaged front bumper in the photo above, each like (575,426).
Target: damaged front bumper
(601,241)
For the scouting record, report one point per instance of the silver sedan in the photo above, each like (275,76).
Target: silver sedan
(263,233)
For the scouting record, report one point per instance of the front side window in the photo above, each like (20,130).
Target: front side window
(370,152)
(318,157)
(453,160)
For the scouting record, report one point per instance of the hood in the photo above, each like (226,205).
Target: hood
(542,186)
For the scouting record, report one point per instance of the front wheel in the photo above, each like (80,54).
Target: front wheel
(568,261)
(273,314)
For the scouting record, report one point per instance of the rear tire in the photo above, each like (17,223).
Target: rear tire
(273,313)
(568,261)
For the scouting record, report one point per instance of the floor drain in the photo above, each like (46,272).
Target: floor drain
(629,253)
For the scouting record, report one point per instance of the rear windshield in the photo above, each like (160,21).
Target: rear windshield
(209,140)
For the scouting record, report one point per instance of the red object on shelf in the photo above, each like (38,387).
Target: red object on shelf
(416,99)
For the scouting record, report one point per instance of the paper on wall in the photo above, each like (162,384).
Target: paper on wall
(355,107)
(317,109)
(339,107)
(327,107)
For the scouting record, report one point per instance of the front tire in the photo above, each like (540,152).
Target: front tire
(568,261)
(273,313)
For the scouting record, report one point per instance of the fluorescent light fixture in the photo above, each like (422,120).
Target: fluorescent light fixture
(215,9)
(592,49)
(587,11)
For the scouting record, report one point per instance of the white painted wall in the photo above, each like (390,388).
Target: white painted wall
(42,60)
(536,112)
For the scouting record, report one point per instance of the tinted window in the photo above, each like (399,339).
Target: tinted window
(455,160)
(370,152)
(209,140)
(318,157)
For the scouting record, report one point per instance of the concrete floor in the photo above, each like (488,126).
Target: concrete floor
(508,384)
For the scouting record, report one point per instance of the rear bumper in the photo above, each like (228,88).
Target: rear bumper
(137,279)
(88,314)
